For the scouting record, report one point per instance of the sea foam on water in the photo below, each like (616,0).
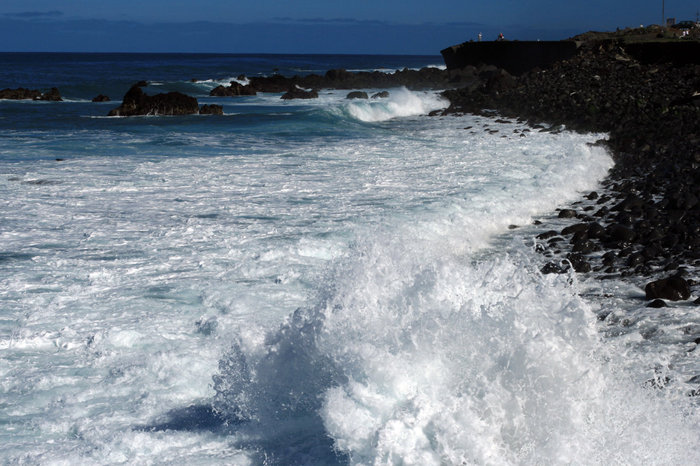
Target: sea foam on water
(419,357)
(316,282)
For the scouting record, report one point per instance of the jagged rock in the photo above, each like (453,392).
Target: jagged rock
(136,102)
(101,98)
(235,89)
(30,94)
(381,95)
(19,94)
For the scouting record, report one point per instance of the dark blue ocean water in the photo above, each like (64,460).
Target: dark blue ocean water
(309,282)
(85,75)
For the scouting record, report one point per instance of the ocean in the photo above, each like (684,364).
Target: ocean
(311,282)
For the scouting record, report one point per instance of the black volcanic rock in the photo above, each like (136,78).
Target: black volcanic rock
(30,94)
(274,84)
(425,78)
(233,90)
(673,288)
(136,102)
(211,109)
(101,98)
(578,262)
(298,93)
(52,95)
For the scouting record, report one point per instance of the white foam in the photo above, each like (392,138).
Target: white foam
(140,263)
(400,103)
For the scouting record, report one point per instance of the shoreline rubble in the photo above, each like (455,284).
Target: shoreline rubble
(647,224)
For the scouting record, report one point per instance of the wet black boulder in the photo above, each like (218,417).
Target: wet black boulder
(673,288)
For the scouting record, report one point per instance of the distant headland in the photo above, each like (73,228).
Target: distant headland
(652,44)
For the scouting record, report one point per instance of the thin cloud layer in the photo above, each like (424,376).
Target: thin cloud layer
(35,14)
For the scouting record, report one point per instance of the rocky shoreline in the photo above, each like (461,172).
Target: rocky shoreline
(647,224)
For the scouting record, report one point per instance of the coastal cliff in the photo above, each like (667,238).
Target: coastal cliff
(519,57)
(516,57)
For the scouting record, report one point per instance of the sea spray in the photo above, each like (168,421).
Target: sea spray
(414,359)
(400,103)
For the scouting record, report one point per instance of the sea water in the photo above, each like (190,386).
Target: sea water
(310,282)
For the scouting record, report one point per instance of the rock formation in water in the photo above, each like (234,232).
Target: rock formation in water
(31,94)
(136,102)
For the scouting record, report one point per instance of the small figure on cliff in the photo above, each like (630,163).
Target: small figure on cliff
(501,36)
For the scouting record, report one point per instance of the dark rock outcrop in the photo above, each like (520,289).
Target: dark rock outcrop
(516,57)
(425,78)
(298,93)
(30,94)
(233,90)
(648,220)
(673,288)
(101,98)
(136,102)
(211,109)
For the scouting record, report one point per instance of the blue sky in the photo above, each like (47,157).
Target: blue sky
(309,26)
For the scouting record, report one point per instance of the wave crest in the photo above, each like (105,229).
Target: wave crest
(400,103)
(416,359)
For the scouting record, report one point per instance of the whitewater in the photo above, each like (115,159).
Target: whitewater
(311,282)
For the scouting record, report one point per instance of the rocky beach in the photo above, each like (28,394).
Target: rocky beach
(646,225)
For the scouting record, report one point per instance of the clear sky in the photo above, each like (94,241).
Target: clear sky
(310,26)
